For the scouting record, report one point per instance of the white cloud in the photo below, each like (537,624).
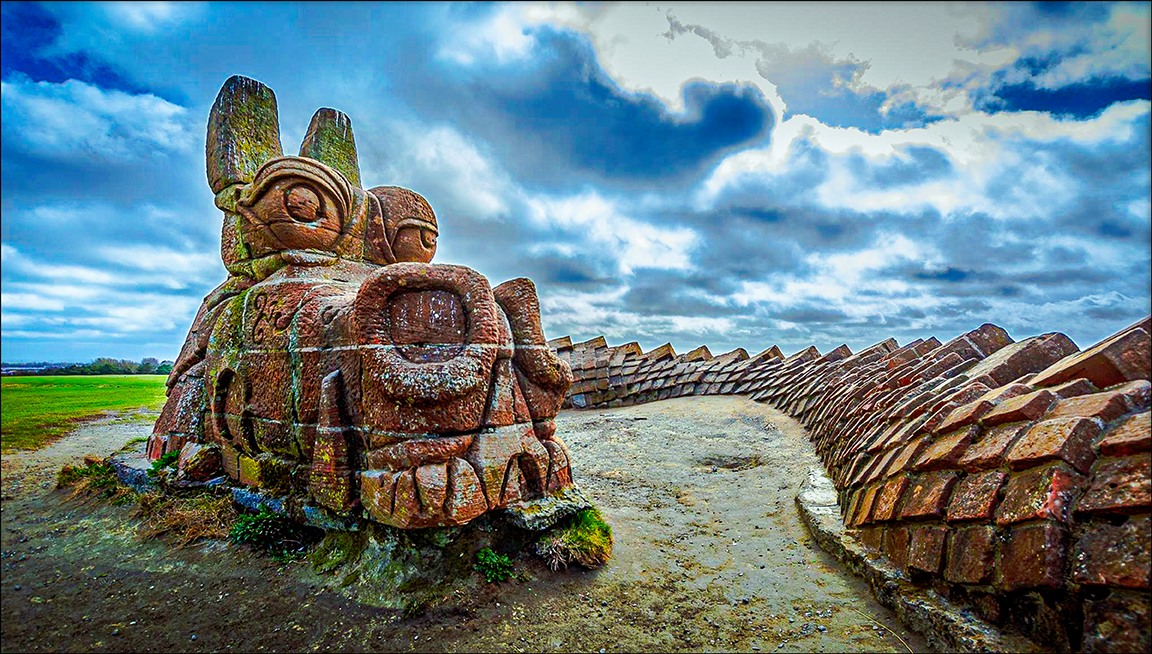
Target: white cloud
(148,16)
(462,170)
(984,149)
(603,225)
(503,35)
(1118,47)
(75,121)
(849,282)
(30,301)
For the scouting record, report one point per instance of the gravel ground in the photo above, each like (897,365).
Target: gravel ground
(710,555)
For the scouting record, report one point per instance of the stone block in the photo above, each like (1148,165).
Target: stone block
(1121,485)
(1032,556)
(862,511)
(199,462)
(1024,407)
(971,555)
(1120,358)
(1068,439)
(1115,555)
(1119,623)
(895,545)
(1043,493)
(928,495)
(926,551)
(989,450)
(1105,406)
(965,415)
(888,499)
(976,497)
(1028,356)
(945,451)
(1131,436)
(1074,387)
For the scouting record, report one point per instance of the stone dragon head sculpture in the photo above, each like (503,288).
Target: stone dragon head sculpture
(336,365)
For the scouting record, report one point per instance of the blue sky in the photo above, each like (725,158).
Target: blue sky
(731,174)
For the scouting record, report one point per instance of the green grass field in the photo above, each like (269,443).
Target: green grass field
(37,410)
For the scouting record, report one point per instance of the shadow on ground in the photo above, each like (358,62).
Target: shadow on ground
(710,555)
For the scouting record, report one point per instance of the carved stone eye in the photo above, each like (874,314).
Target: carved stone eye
(304,204)
(428,238)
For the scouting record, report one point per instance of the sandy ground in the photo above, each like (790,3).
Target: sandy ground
(710,556)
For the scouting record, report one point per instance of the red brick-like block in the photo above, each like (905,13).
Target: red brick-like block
(1138,393)
(1106,406)
(1131,436)
(888,499)
(1046,492)
(971,553)
(988,337)
(1024,407)
(1025,357)
(1001,394)
(862,511)
(926,551)
(907,454)
(870,537)
(1126,356)
(988,452)
(1115,555)
(1120,623)
(965,415)
(1068,439)
(895,545)
(1122,485)
(1033,557)
(976,497)
(1073,388)
(928,495)
(945,451)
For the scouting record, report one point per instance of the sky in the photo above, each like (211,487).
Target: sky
(736,175)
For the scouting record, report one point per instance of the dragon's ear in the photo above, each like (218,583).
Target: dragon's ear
(243,132)
(331,142)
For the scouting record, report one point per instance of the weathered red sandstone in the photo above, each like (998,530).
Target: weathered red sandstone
(988,467)
(337,365)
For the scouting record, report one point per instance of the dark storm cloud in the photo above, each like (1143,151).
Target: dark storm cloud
(561,120)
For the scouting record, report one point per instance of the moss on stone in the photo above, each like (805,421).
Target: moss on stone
(584,539)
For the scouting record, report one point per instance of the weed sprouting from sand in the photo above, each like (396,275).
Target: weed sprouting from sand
(584,539)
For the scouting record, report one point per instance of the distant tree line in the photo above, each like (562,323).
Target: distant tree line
(101,366)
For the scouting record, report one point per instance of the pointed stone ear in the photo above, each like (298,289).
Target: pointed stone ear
(331,142)
(243,132)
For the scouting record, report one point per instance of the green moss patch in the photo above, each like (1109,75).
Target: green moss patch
(494,567)
(584,539)
(273,534)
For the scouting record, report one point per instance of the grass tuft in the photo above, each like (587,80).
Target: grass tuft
(186,519)
(272,534)
(97,478)
(167,459)
(584,539)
